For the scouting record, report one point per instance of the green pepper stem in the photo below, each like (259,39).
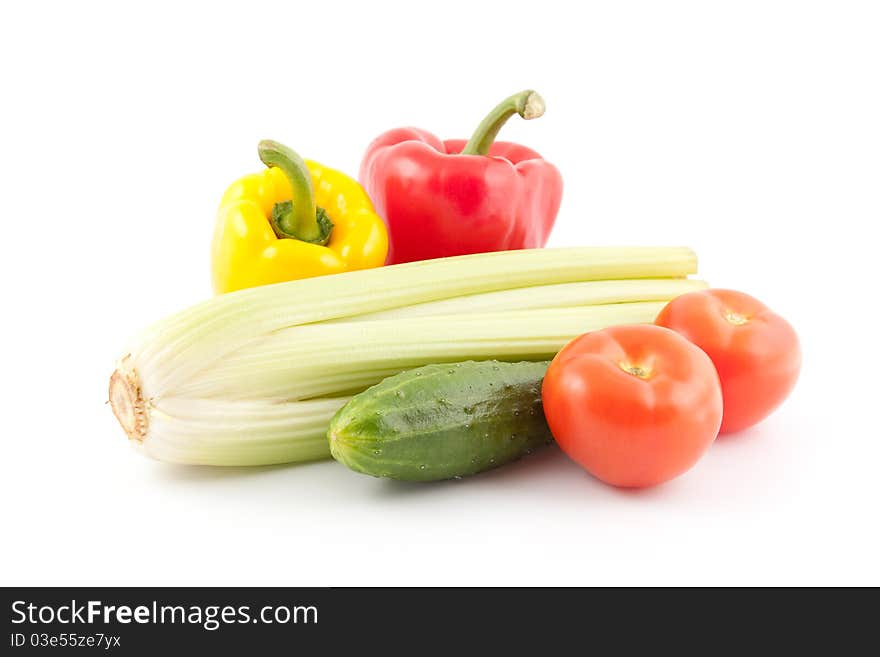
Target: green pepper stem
(528,104)
(300,218)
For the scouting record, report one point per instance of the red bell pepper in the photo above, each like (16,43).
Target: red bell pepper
(444,198)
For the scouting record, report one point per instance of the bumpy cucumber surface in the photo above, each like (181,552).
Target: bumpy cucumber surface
(443,421)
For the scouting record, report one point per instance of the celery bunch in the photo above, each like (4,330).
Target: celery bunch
(253,377)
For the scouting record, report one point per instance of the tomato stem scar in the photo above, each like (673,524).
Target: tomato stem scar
(636,370)
(735,318)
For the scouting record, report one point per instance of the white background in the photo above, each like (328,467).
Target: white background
(747,130)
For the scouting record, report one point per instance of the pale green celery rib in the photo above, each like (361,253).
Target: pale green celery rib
(229,433)
(527,298)
(167,354)
(292,363)
(560,295)
(212,384)
(265,430)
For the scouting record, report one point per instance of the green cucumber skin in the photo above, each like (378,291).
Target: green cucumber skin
(443,421)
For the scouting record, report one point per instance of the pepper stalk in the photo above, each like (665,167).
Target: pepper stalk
(300,218)
(528,104)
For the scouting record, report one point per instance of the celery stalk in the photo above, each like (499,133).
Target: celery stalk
(560,295)
(314,360)
(181,345)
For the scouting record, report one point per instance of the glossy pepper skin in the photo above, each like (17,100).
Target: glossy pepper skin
(438,201)
(249,249)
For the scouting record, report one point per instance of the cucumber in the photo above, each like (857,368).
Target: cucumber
(443,421)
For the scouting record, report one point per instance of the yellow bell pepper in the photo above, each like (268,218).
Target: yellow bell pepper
(296,219)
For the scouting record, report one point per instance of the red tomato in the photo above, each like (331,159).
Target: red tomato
(634,405)
(755,351)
